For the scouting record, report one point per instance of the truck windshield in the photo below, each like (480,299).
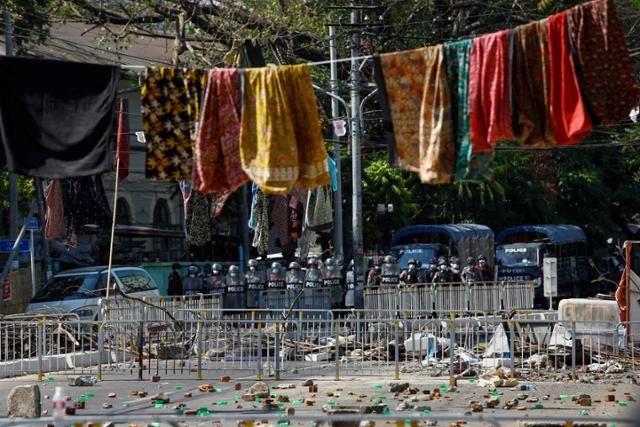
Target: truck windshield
(424,254)
(517,256)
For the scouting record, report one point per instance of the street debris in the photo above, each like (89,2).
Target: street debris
(82,381)
(497,378)
(398,387)
(608,367)
(24,401)
(260,389)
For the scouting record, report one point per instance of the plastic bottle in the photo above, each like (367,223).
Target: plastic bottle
(59,403)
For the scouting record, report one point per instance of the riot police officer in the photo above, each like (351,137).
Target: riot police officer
(313,278)
(192,284)
(350,286)
(276,277)
(295,277)
(216,281)
(314,296)
(412,278)
(470,274)
(332,279)
(275,295)
(410,275)
(454,269)
(430,272)
(254,284)
(234,292)
(390,272)
(486,272)
(375,275)
(443,275)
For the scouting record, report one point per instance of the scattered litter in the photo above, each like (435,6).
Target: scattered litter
(497,378)
(608,367)
(398,387)
(260,389)
(537,361)
(81,381)
(283,386)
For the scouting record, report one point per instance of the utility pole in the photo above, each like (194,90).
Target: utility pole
(13,184)
(356,137)
(338,244)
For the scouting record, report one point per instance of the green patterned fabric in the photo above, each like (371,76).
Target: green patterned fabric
(469,166)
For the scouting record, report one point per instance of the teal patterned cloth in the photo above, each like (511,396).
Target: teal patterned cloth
(469,166)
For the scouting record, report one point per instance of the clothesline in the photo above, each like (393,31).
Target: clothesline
(311,64)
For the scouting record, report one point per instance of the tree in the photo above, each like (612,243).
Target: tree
(385,185)
(25,195)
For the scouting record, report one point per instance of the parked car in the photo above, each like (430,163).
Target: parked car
(77,291)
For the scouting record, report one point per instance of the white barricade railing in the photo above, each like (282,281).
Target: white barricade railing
(421,300)
(517,296)
(485,297)
(357,345)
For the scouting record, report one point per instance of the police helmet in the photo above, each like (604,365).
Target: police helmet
(234,269)
(252,263)
(412,262)
(442,261)
(389,259)
(216,267)
(482,259)
(294,266)
(275,265)
(329,262)
(193,269)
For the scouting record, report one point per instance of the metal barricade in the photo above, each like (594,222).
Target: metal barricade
(287,299)
(378,301)
(314,345)
(451,297)
(484,297)
(517,295)
(416,300)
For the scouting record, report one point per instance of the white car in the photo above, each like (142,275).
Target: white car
(77,291)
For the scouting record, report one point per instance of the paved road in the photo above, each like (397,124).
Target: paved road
(349,391)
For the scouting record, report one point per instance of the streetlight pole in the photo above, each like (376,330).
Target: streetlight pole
(356,140)
(335,113)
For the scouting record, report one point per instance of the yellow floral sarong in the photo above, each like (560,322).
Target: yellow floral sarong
(281,144)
